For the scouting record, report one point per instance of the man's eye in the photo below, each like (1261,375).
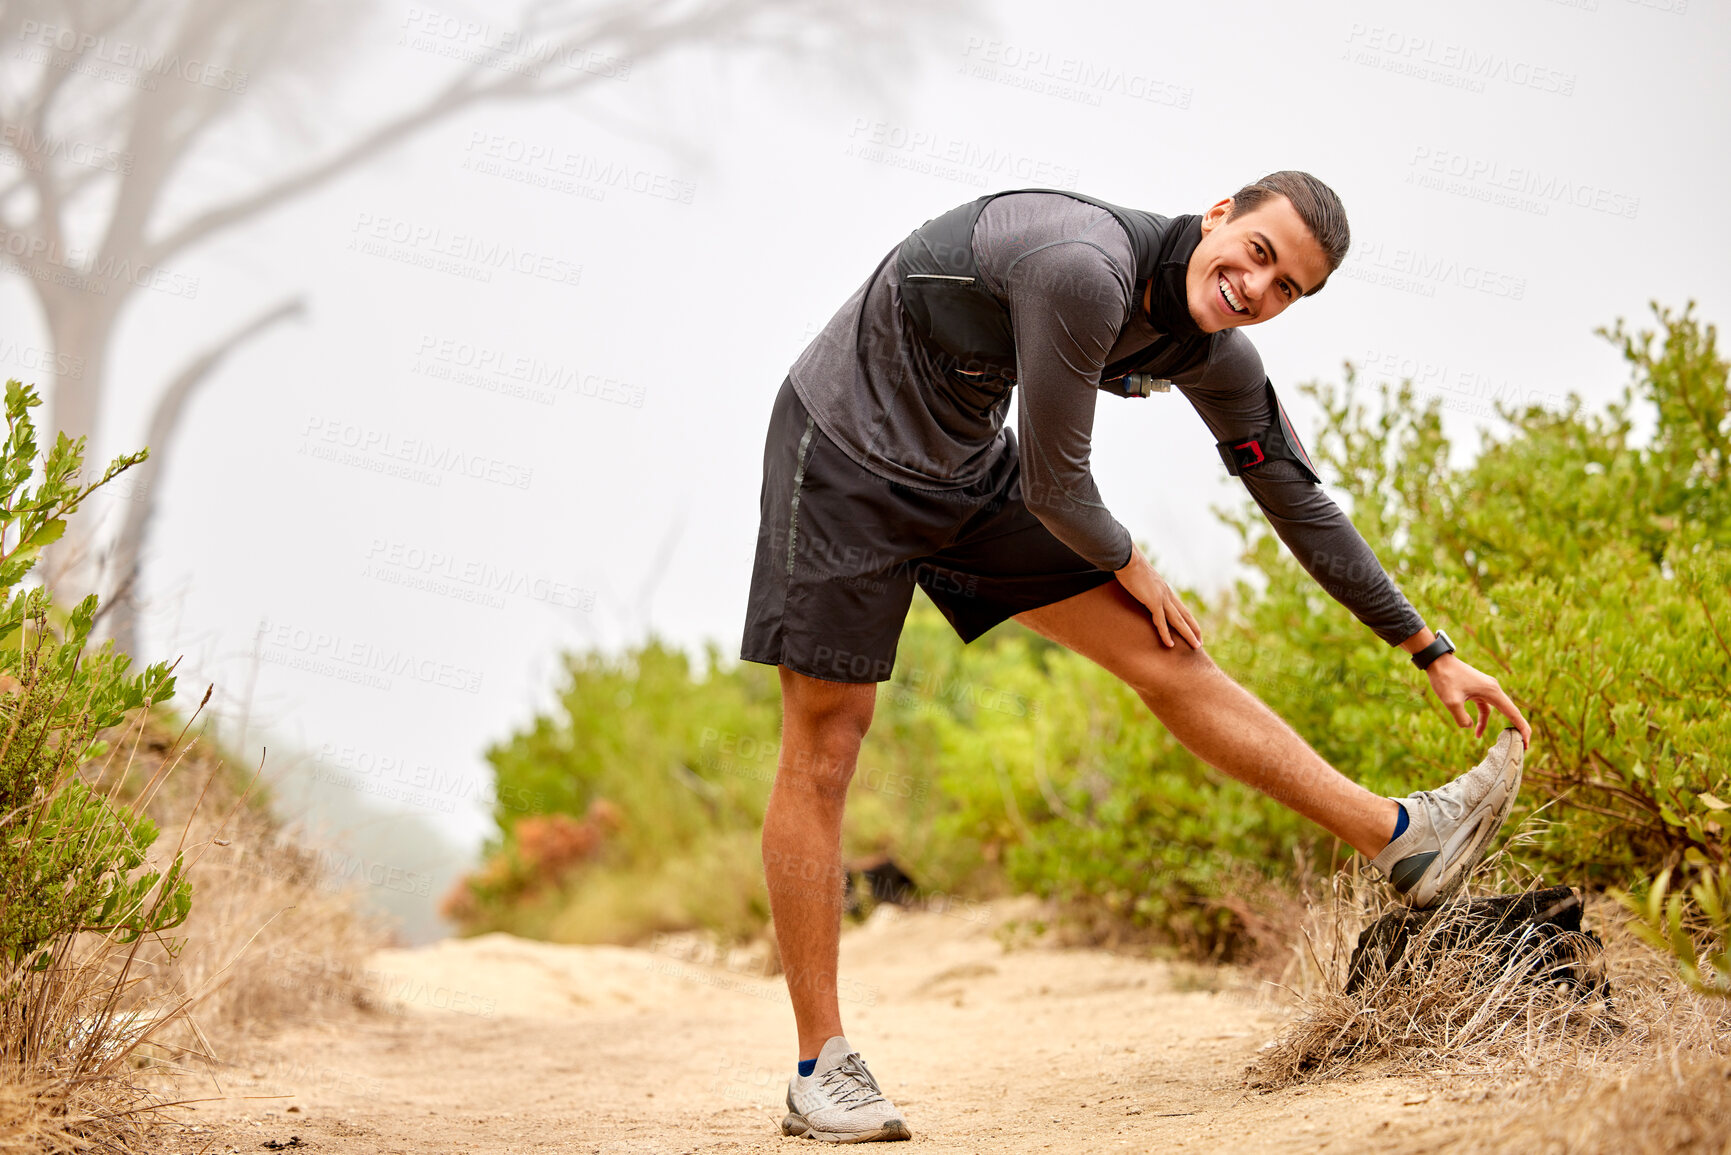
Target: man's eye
(1258,248)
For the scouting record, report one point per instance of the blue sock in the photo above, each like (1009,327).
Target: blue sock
(1400,824)
(807,1066)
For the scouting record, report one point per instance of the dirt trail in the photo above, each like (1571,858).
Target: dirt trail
(505,1045)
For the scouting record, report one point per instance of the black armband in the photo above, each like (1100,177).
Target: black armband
(1278,442)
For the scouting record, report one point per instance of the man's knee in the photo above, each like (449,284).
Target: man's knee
(838,711)
(1171,674)
(820,768)
(823,724)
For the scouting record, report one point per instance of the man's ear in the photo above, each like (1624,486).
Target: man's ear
(1216,213)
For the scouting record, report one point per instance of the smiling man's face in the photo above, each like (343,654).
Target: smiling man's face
(1246,270)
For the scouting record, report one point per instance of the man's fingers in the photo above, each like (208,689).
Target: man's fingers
(1184,624)
(1195,626)
(1161,629)
(1459,710)
(1507,708)
(1484,716)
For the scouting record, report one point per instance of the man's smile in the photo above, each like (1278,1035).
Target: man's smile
(1234,303)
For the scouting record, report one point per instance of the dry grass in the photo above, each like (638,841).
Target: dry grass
(85,1044)
(70,1082)
(1664,1085)
(1444,1003)
(272,935)
(1639,1108)
(1646,1068)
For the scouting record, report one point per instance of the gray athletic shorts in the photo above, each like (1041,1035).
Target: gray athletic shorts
(840,550)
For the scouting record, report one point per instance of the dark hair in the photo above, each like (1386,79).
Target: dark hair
(1316,205)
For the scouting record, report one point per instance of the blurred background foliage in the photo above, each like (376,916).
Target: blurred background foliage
(1580,557)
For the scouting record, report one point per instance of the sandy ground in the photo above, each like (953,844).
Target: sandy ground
(499,1044)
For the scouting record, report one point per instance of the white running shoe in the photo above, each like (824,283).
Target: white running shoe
(839,1102)
(1450,829)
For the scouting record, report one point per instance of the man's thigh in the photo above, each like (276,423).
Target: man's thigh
(1113,630)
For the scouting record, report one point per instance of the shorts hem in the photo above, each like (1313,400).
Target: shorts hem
(782,661)
(972,629)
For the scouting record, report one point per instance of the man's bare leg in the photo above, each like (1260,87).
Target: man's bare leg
(822,725)
(1215,718)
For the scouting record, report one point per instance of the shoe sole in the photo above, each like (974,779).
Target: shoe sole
(890,1132)
(1475,834)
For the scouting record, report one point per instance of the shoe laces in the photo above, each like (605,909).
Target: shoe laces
(1453,800)
(849,1084)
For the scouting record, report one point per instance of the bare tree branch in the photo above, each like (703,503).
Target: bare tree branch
(462,91)
(88,227)
(164,424)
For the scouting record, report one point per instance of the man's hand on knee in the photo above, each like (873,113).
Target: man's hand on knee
(1172,618)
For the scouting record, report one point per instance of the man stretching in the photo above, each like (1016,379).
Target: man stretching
(888,465)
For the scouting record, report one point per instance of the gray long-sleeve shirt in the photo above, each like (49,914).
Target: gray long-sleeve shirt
(1068,272)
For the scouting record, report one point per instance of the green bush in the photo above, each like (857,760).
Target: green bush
(666,771)
(69,855)
(1693,926)
(1583,565)
(1580,557)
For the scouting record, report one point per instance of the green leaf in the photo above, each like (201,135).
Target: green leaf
(50,532)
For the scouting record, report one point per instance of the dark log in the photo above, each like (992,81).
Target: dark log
(1542,923)
(880,877)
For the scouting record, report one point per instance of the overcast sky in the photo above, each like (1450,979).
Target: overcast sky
(1517,172)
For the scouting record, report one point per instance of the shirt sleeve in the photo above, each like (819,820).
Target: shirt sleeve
(1230,393)
(1067,302)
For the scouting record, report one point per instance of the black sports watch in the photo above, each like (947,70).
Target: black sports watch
(1440,646)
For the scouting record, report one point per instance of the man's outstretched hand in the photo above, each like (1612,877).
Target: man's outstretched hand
(1172,618)
(1457,683)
